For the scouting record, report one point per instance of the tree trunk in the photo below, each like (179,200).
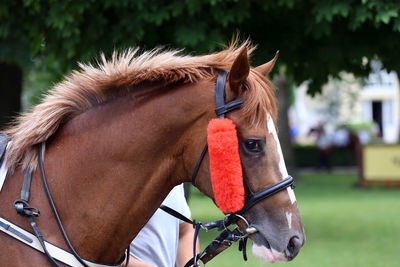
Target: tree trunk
(283,99)
(398,78)
(10,92)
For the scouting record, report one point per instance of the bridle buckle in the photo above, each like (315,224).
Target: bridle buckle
(24,209)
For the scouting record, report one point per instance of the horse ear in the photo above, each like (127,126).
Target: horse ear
(267,67)
(239,71)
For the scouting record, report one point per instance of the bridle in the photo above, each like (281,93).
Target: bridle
(227,237)
(221,109)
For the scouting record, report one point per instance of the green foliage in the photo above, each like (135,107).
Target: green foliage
(316,38)
(37,81)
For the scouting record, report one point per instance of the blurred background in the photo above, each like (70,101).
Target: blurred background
(337,80)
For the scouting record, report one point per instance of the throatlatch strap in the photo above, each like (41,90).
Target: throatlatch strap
(198,163)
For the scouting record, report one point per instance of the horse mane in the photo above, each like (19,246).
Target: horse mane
(96,84)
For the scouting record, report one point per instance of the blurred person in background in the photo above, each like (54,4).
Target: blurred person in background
(165,241)
(324,146)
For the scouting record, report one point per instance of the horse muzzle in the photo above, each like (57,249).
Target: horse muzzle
(268,251)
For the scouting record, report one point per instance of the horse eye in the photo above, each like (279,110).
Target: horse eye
(253,146)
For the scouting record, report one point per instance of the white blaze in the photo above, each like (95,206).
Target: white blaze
(282,166)
(289,219)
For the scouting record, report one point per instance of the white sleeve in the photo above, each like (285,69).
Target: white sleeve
(185,206)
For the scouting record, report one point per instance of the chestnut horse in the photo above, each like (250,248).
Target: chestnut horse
(119,136)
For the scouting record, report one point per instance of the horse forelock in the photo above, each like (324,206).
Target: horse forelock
(96,84)
(259,100)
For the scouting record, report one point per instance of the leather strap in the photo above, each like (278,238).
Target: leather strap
(221,109)
(26,185)
(24,209)
(59,254)
(254,198)
(222,242)
(8,227)
(207,226)
(40,238)
(176,214)
(231,106)
(220,91)
(53,207)
(220,95)
(198,163)
(219,244)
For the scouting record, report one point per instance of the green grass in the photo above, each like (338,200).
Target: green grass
(345,225)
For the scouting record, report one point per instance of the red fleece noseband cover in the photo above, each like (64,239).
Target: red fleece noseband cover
(225,165)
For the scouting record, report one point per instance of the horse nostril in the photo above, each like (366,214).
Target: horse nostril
(293,247)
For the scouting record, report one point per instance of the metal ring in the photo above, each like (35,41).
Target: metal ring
(243,219)
(237,227)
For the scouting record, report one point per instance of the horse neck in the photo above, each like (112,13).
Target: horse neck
(117,162)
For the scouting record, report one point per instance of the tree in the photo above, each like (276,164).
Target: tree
(10,91)
(317,38)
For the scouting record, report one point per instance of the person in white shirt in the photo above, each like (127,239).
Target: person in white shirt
(165,241)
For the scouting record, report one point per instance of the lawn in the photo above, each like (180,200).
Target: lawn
(345,225)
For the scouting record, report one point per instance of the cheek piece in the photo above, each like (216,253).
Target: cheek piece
(225,166)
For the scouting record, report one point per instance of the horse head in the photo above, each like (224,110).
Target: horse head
(271,221)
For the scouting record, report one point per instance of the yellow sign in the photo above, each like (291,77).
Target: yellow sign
(381,162)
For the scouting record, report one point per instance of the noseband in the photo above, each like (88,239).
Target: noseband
(221,109)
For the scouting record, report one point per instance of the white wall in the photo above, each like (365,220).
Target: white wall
(383,86)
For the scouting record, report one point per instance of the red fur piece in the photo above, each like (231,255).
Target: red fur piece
(225,165)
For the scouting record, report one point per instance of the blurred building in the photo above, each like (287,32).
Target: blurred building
(350,101)
(380,98)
